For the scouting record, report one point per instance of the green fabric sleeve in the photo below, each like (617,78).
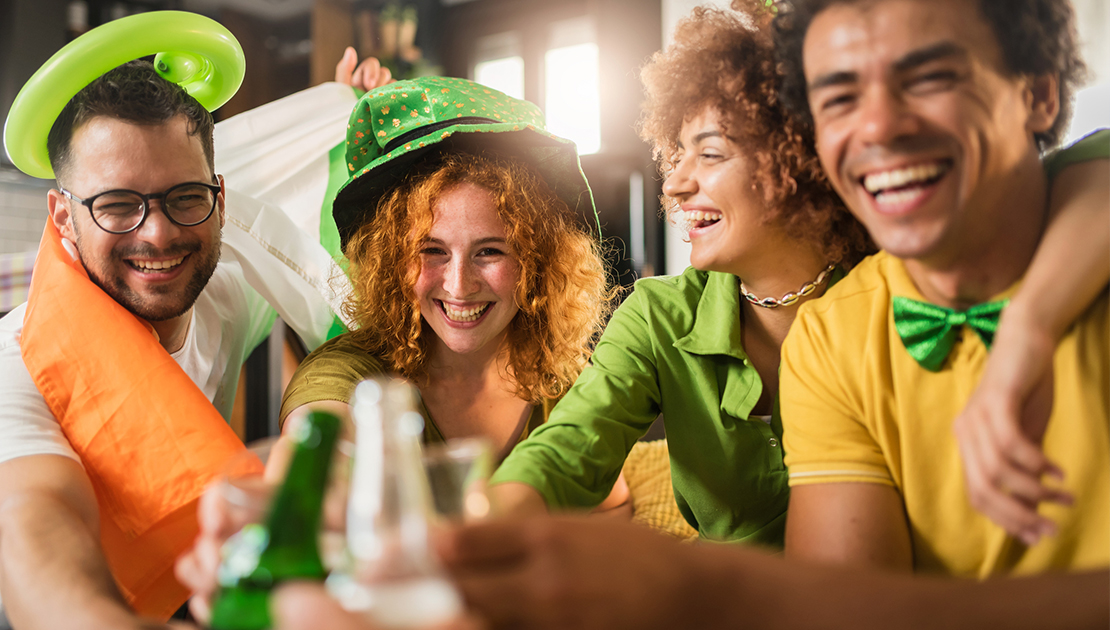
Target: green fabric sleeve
(574,459)
(329,373)
(1094,146)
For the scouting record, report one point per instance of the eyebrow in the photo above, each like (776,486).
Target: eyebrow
(712,133)
(481,241)
(833,78)
(908,61)
(922,56)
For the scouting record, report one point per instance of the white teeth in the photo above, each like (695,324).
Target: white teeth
(693,216)
(156,265)
(898,197)
(464,314)
(876,182)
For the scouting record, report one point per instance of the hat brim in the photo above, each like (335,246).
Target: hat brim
(555,159)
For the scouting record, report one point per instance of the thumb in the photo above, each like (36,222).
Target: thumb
(346,66)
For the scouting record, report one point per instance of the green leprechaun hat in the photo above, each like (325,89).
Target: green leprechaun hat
(396,126)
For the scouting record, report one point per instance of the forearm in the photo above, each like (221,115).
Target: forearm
(1072,262)
(53,572)
(768,593)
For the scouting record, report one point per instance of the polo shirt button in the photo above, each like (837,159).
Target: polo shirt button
(773,442)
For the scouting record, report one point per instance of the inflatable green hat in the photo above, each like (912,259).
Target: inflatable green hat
(396,126)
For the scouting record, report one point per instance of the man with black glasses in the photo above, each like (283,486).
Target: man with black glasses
(114,393)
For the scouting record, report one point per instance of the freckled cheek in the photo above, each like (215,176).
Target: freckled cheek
(502,279)
(428,280)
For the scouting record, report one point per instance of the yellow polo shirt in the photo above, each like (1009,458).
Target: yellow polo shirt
(856,407)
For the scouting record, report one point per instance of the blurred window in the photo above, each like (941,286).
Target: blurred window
(571,87)
(499,64)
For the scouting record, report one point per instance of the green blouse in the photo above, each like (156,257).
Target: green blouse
(673,347)
(333,370)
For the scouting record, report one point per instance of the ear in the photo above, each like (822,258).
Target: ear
(220,200)
(58,206)
(1042,97)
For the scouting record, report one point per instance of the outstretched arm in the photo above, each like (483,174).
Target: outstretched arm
(1001,428)
(52,571)
(594,574)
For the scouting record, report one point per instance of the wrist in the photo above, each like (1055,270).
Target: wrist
(1034,317)
(1030,323)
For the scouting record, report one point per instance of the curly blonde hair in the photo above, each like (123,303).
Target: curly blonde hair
(725,60)
(562,293)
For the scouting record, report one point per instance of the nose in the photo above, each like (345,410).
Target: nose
(157,229)
(681,181)
(884,116)
(461,278)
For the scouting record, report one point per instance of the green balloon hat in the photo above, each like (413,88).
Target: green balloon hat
(191,50)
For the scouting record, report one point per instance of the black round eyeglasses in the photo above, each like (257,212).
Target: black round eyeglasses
(122,211)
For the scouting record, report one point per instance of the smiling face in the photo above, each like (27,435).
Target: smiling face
(918,127)
(712,184)
(158,270)
(468,276)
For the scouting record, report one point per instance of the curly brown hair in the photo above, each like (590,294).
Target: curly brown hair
(563,292)
(1036,37)
(724,60)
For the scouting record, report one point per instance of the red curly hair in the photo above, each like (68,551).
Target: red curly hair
(563,292)
(725,60)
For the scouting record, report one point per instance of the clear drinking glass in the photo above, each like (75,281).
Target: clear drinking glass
(392,576)
(458,473)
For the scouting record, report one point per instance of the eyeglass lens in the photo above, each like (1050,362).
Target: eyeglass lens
(186,204)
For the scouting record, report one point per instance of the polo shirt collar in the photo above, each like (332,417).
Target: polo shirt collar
(901,284)
(716,328)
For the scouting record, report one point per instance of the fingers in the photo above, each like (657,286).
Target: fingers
(346,66)
(366,73)
(498,596)
(371,74)
(1006,495)
(488,544)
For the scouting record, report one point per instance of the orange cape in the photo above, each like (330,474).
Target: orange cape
(150,441)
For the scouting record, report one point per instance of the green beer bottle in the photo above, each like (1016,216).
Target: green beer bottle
(285,546)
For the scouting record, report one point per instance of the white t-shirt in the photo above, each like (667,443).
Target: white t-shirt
(229,320)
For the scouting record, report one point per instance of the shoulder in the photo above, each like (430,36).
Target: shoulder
(1093,146)
(666,306)
(27,427)
(684,287)
(11,325)
(345,351)
(330,372)
(849,314)
(674,297)
(864,290)
(335,368)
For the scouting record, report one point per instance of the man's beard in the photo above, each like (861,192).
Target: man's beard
(143,307)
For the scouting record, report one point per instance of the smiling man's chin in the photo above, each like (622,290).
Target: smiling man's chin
(159,303)
(911,242)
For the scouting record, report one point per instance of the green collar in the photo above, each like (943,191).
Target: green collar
(716,327)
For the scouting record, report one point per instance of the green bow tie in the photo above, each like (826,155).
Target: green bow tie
(928,330)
